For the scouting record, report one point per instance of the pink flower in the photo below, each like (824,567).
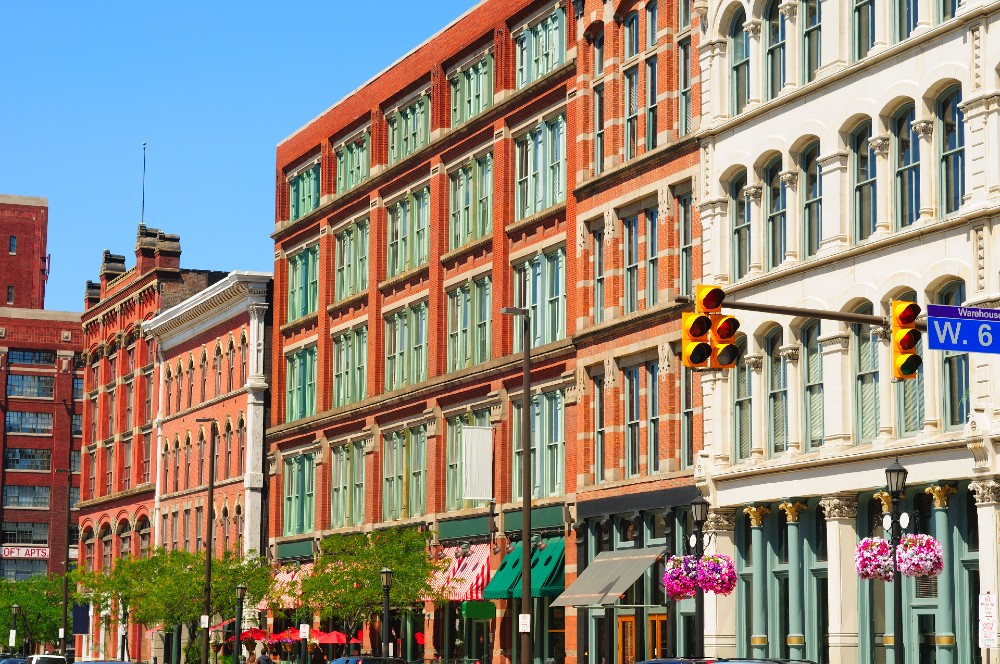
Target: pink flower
(873,559)
(680,580)
(717,574)
(920,555)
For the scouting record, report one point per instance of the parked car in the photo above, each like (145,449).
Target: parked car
(720,660)
(366,659)
(13,660)
(46,659)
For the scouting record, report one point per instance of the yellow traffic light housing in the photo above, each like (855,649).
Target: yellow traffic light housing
(695,349)
(905,339)
(708,299)
(725,352)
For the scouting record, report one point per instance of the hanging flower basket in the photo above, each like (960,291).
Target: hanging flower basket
(873,559)
(680,580)
(920,555)
(717,574)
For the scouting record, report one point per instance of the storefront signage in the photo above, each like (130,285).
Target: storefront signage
(24,552)
(987,621)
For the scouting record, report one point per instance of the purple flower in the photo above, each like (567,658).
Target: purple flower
(680,580)
(717,574)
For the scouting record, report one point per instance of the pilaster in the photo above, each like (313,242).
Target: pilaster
(944,624)
(841,514)
(796,639)
(720,610)
(836,398)
(758,621)
(987,494)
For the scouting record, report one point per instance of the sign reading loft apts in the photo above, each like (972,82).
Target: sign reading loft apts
(963,329)
(24,552)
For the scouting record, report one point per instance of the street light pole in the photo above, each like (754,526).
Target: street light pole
(64,631)
(699,514)
(386,575)
(14,610)
(241,593)
(526,489)
(209,548)
(895,479)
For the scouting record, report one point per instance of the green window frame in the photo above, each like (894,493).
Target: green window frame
(910,393)
(630,35)
(548,445)
(863,27)
(652,417)
(685,230)
(454,498)
(866,380)
(685,101)
(742,391)
(947,9)
(955,386)
(350,366)
(651,95)
(471,90)
(865,187)
(739,63)
(469,324)
(906,18)
(630,247)
(633,397)
(304,192)
(906,158)
(340,459)
(300,384)
(684,13)
(652,257)
(471,201)
(631,112)
(404,484)
(353,163)
(300,494)
(951,137)
(599,429)
(540,167)
(409,128)
(357,480)
(812,384)
(774,36)
(812,200)
(351,260)
(687,417)
(741,239)
(598,129)
(812,35)
(777,392)
(541,48)
(406,347)
(303,283)
(776,227)
(409,223)
(540,287)
(597,238)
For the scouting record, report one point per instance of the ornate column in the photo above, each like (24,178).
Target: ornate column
(880,146)
(837,389)
(944,621)
(720,610)
(793,63)
(793,225)
(796,639)
(793,388)
(836,219)
(982,127)
(924,129)
(756,74)
(886,421)
(712,58)
(841,538)
(758,619)
(755,363)
(753,194)
(987,493)
(254,539)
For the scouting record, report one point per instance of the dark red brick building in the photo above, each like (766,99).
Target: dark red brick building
(24,222)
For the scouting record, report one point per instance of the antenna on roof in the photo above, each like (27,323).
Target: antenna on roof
(142,213)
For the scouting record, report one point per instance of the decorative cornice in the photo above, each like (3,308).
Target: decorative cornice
(756,514)
(836,341)
(792,510)
(940,492)
(789,353)
(839,507)
(721,520)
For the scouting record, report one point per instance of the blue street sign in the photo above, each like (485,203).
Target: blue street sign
(963,329)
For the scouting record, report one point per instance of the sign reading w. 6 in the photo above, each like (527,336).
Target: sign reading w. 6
(964,329)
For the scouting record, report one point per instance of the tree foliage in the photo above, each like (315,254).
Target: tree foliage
(39,599)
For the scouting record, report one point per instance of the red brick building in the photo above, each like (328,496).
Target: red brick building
(24,223)
(530,154)
(121,385)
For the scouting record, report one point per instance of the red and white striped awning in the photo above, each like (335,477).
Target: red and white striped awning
(468,574)
(286,590)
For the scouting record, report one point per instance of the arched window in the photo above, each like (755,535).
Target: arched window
(777,393)
(910,393)
(742,413)
(631,35)
(906,18)
(238,519)
(204,375)
(230,365)
(952,133)
(740,211)
(739,63)
(218,370)
(812,53)
(906,157)
(177,465)
(124,538)
(864,27)
(229,452)
(241,449)
(201,458)
(775,35)
(106,547)
(165,463)
(812,201)
(863,167)
(168,386)
(866,398)
(812,382)
(218,453)
(180,385)
(190,383)
(774,200)
(225,529)
(244,359)
(187,464)
(955,381)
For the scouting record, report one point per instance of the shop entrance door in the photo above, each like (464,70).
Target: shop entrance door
(658,636)
(626,640)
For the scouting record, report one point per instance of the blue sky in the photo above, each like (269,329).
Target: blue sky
(211,87)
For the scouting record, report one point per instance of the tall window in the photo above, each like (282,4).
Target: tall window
(300,494)
(906,18)
(416,466)
(955,381)
(632,399)
(775,53)
(350,356)
(300,384)
(454,498)
(599,53)
(812,201)
(630,32)
(406,347)
(598,129)
(864,27)
(906,155)
(339,483)
(351,269)
(631,101)
(653,416)
(471,201)
(866,400)
(203,367)
(599,432)
(12,245)
(684,13)
(218,370)
(652,257)
(357,483)
(777,393)
(303,283)
(409,220)
(540,286)
(230,365)
(540,168)
(740,206)
(948,9)
(863,157)
(687,417)
(651,21)
(548,453)
(303,192)
(951,129)
(775,232)
(469,317)
(910,393)
(541,48)
(409,128)
(630,226)
(742,411)
(651,95)
(597,238)
(812,47)
(353,163)
(472,91)
(812,382)
(739,64)
(684,86)
(403,473)
(685,229)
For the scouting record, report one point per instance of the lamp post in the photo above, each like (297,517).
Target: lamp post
(895,482)
(386,575)
(241,593)
(14,611)
(63,630)
(526,642)
(699,515)
(209,548)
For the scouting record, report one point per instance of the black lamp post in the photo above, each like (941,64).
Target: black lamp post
(895,482)
(386,575)
(699,514)
(209,547)
(241,593)
(14,611)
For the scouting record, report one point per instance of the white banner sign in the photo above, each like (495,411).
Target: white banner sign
(304,631)
(24,552)
(988,621)
(477,463)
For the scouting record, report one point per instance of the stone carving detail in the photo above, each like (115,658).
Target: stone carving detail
(581,237)
(923,128)
(839,507)
(720,520)
(609,226)
(610,374)
(881,332)
(789,353)
(752,28)
(940,492)
(879,145)
(792,510)
(754,362)
(886,500)
(663,366)
(788,10)
(977,56)
(839,341)
(980,258)
(753,192)
(582,378)
(789,178)
(987,491)
(756,514)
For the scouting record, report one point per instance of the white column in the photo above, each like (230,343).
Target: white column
(842,581)
(925,15)
(754,193)
(928,168)
(982,143)
(714,91)
(836,34)
(837,389)
(987,492)
(883,180)
(756,74)
(715,418)
(836,220)
(793,215)
(755,363)
(886,386)
(793,62)
(253,474)
(720,610)
(883,25)
(791,355)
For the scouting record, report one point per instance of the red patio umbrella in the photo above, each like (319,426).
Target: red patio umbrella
(333,637)
(419,637)
(289,633)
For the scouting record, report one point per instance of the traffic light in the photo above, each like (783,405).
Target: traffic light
(708,299)
(905,338)
(725,352)
(695,349)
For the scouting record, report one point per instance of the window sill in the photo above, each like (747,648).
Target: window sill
(467,249)
(403,277)
(346,303)
(522,224)
(299,323)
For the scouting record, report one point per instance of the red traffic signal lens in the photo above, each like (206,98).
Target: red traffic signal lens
(698,325)
(907,313)
(908,341)
(726,327)
(711,297)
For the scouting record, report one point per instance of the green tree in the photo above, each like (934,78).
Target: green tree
(39,599)
(346,584)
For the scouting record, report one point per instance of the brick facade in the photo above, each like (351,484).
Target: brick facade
(24,222)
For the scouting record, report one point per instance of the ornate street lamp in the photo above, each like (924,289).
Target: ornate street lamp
(386,575)
(895,483)
(699,515)
(241,593)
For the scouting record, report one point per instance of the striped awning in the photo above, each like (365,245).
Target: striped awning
(469,573)
(286,591)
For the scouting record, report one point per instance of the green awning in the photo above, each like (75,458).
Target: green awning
(548,577)
(505,577)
